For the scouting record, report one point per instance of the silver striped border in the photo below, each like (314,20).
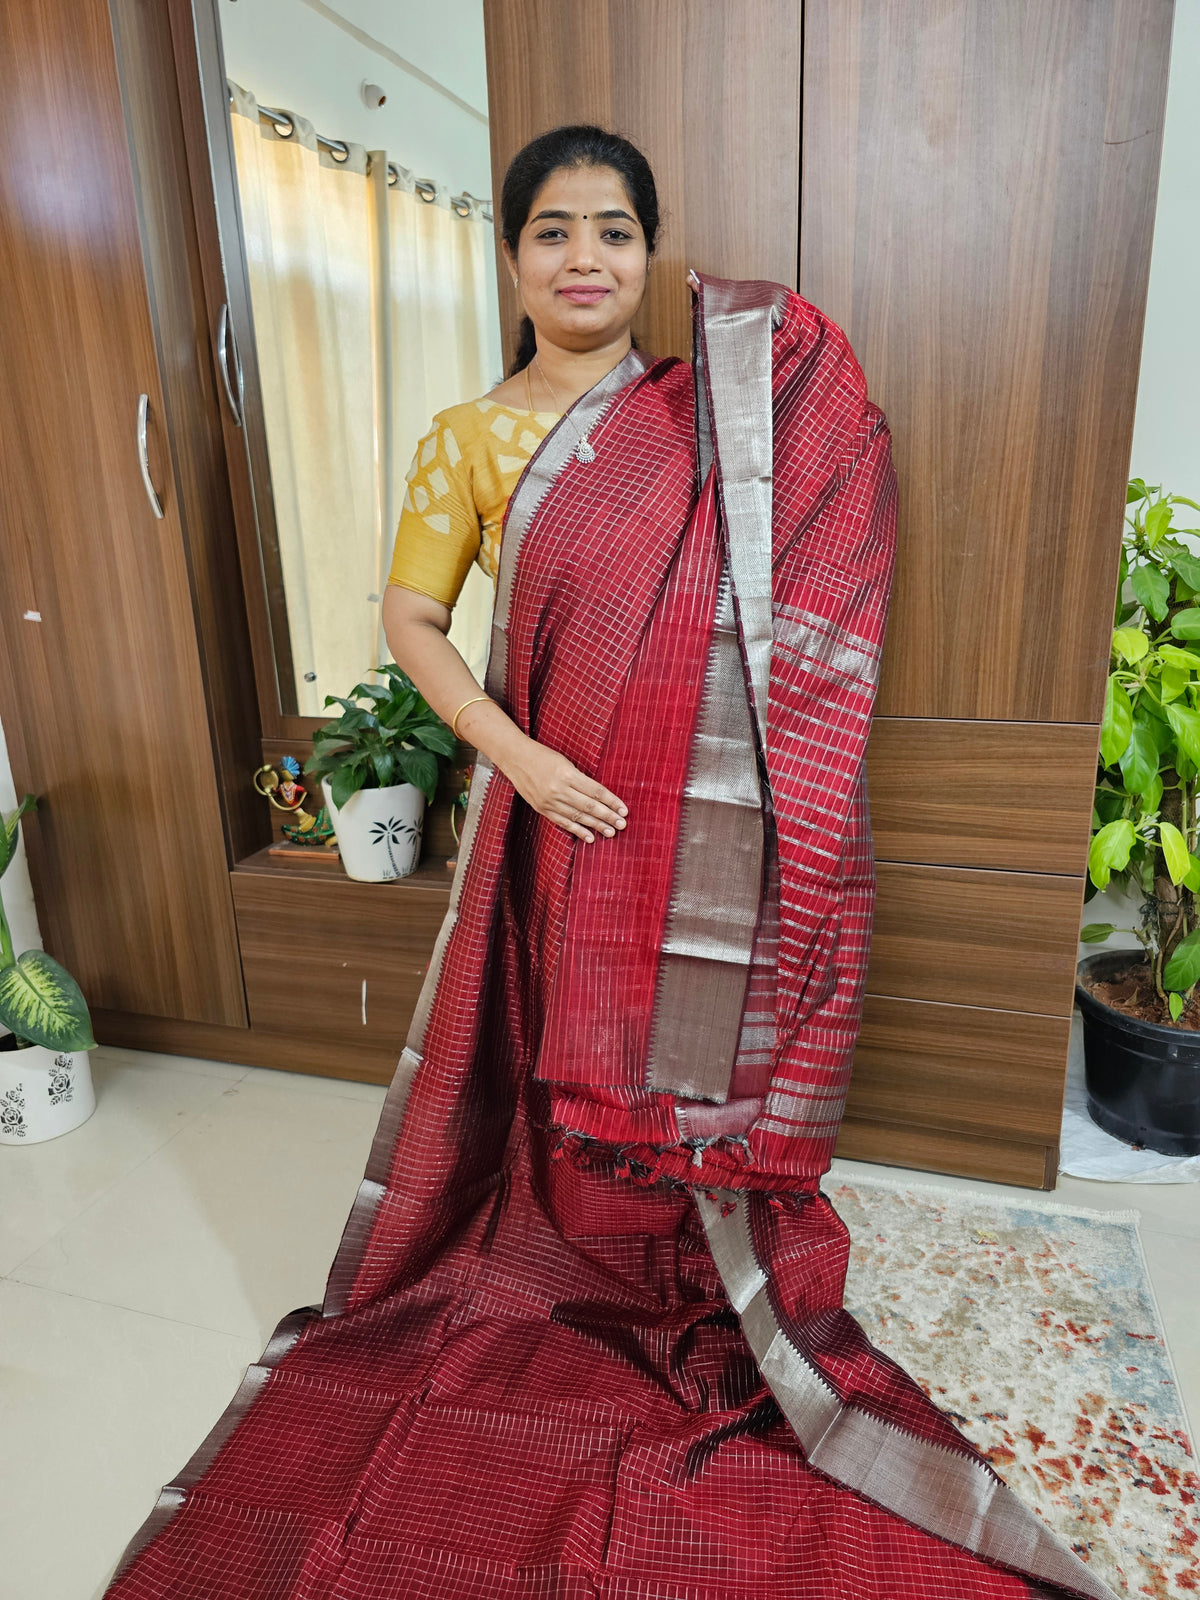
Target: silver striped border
(951,1496)
(708,937)
(735,326)
(717,888)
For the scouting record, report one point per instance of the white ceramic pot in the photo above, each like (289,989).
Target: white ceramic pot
(43,1093)
(378,831)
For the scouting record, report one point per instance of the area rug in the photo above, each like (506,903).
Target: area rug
(1034,1326)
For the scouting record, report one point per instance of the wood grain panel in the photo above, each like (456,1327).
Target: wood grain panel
(933,1150)
(992,1074)
(249,1047)
(1006,941)
(1010,795)
(710,92)
(333,959)
(150,92)
(977,211)
(103,698)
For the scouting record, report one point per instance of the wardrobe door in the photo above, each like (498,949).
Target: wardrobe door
(101,692)
(709,90)
(977,205)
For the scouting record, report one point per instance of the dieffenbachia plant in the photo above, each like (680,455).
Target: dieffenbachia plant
(40,1002)
(1144,825)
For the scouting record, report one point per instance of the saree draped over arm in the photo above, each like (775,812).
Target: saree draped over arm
(584,1334)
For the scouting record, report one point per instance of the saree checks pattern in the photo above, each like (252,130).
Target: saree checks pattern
(584,1335)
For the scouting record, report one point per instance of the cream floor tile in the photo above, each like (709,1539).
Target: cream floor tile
(141,1103)
(229,1226)
(232,1070)
(100,1408)
(309,1083)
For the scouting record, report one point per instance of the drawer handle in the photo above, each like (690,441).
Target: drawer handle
(143,418)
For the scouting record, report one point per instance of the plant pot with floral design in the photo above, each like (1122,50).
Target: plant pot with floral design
(45,1073)
(42,1092)
(378,766)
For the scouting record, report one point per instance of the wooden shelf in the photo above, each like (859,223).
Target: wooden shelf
(432,876)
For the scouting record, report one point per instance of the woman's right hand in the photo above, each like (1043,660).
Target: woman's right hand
(416,627)
(557,789)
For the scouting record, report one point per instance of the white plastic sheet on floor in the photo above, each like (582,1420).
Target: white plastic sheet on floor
(1086,1151)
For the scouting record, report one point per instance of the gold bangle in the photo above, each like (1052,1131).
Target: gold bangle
(462,708)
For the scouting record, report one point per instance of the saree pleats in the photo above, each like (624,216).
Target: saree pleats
(584,1334)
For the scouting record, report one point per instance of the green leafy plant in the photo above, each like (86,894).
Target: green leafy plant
(1144,825)
(395,737)
(40,1002)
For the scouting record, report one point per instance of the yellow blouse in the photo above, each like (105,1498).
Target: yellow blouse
(459,484)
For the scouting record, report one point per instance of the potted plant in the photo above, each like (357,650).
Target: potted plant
(378,765)
(1140,1007)
(45,1076)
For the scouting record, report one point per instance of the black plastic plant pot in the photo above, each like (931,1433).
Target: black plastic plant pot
(1143,1078)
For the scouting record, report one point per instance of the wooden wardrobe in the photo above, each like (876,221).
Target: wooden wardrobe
(968,189)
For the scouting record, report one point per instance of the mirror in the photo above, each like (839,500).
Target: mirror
(360,227)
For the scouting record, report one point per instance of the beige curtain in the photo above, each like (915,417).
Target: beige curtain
(370,313)
(440,269)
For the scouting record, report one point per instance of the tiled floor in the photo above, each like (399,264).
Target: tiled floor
(146,1257)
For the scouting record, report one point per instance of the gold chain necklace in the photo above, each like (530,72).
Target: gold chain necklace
(584,451)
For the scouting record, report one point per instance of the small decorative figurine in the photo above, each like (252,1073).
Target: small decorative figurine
(292,792)
(286,793)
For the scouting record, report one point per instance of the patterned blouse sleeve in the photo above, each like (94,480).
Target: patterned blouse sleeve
(439,533)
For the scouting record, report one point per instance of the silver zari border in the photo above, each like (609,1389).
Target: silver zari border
(173,1495)
(736,321)
(708,940)
(949,1495)
(717,886)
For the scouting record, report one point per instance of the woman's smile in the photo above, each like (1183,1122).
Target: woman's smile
(584,294)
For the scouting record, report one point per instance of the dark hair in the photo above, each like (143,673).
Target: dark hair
(580,145)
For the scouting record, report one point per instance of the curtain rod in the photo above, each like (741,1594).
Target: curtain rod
(462,204)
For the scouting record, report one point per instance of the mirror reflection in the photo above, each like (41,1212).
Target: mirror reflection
(360,138)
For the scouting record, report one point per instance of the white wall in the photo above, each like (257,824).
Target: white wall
(15,887)
(290,53)
(1166,432)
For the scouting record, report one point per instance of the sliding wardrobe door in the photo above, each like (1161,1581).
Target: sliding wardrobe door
(101,689)
(977,204)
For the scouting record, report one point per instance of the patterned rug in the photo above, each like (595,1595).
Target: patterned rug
(1034,1326)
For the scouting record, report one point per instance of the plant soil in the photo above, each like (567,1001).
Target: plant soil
(1132,993)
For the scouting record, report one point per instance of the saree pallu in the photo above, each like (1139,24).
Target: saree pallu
(584,1336)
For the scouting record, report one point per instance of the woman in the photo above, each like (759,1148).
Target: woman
(584,1336)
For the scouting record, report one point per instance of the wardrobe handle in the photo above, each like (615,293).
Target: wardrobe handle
(223,335)
(143,458)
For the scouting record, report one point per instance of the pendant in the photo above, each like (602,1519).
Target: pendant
(584,451)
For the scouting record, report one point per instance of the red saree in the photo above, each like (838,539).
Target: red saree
(583,1337)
